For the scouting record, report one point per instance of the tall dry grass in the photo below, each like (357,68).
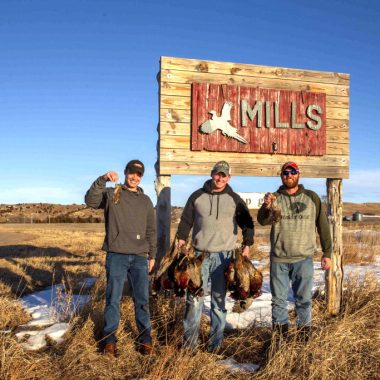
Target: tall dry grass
(342,347)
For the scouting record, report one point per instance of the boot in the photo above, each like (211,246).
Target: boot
(281,330)
(146,348)
(304,333)
(110,349)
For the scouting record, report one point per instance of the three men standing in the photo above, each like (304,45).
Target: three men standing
(293,244)
(214,212)
(130,243)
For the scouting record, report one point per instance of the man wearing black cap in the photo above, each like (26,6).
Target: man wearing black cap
(293,245)
(130,243)
(214,212)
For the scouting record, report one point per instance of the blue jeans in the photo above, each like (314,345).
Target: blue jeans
(214,266)
(301,276)
(119,267)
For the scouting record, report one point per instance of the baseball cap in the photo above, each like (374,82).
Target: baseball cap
(221,167)
(135,166)
(290,164)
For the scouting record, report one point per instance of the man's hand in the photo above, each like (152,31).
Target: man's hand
(111,176)
(325,263)
(268,199)
(245,250)
(181,243)
(151,265)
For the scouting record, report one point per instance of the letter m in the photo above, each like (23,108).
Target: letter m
(251,112)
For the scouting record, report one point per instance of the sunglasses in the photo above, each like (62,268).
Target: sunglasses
(285,173)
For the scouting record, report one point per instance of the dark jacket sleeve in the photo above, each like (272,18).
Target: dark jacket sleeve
(322,224)
(244,220)
(151,235)
(187,218)
(96,194)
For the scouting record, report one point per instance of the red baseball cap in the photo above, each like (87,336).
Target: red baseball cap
(290,164)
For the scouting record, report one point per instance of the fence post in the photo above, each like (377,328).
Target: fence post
(334,276)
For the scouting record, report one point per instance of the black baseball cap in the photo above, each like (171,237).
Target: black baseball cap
(135,166)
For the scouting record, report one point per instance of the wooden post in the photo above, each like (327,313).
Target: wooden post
(334,276)
(163,214)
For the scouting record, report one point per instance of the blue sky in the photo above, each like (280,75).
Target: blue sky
(79,96)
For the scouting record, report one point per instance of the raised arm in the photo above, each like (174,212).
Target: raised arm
(96,194)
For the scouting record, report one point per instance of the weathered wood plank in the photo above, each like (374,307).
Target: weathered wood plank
(175,76)
(184,155)
(246,70)
(184,89)
(334,277)
(203,168)
(183,143)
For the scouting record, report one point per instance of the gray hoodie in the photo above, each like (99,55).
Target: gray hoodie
(294,237)
(215,218)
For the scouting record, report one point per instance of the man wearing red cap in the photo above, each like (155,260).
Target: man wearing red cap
(293,245)
(130,243)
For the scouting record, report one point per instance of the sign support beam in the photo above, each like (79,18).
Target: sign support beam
(334,276)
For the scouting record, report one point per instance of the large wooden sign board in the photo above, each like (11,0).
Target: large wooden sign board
(254,117)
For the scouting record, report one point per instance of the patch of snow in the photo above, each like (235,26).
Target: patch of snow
(37,338)
(50,308)
(235,366)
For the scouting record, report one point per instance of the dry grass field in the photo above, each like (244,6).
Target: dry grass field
(33,256)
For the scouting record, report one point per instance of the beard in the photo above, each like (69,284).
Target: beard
(290,184)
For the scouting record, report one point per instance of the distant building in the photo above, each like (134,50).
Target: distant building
(253,200)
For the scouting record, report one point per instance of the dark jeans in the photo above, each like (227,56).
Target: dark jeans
(300,274)
(135,268)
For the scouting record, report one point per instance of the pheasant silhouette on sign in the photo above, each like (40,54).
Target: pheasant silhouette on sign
(222,122)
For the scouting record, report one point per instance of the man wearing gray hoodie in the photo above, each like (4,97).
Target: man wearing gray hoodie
(214,212)
(296,214)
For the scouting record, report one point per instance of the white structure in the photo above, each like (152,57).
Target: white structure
(253,200)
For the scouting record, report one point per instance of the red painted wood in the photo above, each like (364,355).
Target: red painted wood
(300,141)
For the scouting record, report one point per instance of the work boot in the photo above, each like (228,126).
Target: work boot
(110,349)
(303,333)
(145,348)
(279,336)
(281,330)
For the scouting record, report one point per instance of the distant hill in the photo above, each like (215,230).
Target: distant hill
(56,213)
(49,213)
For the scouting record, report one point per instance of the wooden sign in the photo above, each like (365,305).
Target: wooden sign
(258,120)
(308,122)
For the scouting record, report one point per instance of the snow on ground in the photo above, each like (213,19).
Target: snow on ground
(49,309)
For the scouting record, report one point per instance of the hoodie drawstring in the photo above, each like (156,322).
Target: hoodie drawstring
(211,198)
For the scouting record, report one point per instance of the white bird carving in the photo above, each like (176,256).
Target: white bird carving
(222,122)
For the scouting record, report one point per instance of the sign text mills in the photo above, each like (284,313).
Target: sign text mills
(312,112)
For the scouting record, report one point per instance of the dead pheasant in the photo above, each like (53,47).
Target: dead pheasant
(117,193)
(188,275)
(244,281)
(275,211)
(180,271)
